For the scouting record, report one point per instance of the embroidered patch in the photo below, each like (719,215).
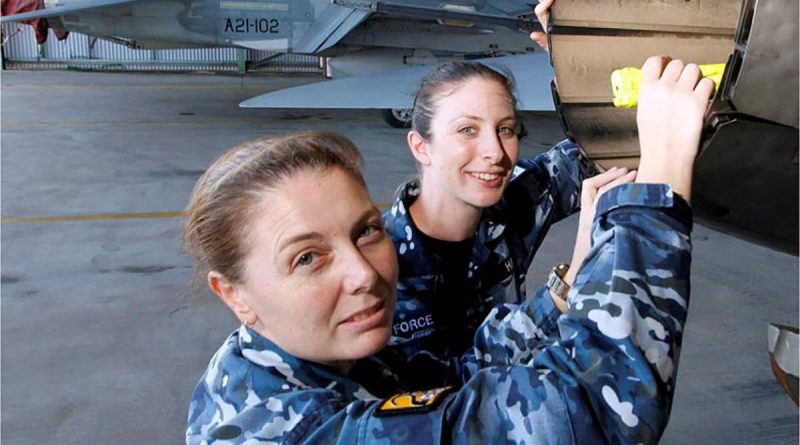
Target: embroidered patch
(414,402)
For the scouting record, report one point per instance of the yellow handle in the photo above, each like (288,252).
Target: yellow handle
(625,83)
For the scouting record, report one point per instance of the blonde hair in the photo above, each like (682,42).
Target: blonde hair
(226,196)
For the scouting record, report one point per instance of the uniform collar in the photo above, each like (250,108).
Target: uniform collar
(411,246)
(305,374)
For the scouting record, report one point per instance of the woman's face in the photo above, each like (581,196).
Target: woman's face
(474,144)
(321,271)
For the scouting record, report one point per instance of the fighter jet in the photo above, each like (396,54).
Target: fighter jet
(357,37)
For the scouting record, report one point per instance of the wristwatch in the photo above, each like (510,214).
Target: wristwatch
(555,281)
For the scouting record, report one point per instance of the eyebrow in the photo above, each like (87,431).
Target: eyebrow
(367,214)
(317,236)
(478,118)
(298,238)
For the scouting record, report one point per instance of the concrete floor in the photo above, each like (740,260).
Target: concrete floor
(103,339)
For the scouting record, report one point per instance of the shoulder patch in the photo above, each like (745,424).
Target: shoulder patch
(413,402)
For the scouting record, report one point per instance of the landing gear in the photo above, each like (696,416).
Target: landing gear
(398,117)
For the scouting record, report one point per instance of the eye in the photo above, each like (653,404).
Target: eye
(467,130)
(506,131)
(370,231)
(306,259)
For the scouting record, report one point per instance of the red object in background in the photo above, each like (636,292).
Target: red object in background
(40,26)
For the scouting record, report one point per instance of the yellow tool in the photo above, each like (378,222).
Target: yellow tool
(625,83)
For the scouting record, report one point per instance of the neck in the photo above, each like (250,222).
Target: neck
(444,218)
(344,366)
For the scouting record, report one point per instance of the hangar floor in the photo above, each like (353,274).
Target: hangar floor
(103,339)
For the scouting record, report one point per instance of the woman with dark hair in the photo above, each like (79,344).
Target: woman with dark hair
(467,229)
(290,241)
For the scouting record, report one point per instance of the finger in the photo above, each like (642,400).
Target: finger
(541,11)
(689,77)
(540,38)
(624,179)
(651,70)
(705,88)
(673,71)
(604,178)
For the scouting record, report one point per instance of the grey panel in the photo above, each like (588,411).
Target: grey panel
(766,86)
(328,23)
(747,176)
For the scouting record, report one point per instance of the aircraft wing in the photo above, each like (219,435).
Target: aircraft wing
(395,88)
(70,8)
(329,28)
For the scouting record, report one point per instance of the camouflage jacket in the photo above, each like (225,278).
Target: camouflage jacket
(607,375)
(439,308)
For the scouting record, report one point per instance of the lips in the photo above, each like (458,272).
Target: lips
(367,318)
(489,179)
(487,176)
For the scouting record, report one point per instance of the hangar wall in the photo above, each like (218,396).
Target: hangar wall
(78,51)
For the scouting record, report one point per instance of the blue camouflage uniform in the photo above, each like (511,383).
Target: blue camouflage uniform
(439,306)
(606,375)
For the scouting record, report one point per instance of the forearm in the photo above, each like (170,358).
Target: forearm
(640,310)
(621,338)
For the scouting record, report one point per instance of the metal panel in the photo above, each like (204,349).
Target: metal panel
(746,175)
(584,62)
(694,16)
(769,56)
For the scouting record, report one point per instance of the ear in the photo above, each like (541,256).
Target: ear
(419,147)
(230,294)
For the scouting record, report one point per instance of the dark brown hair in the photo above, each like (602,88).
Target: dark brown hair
(443,80)
(225,198)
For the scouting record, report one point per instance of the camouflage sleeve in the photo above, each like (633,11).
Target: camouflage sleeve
(614,362)
(557,173)
(544,190)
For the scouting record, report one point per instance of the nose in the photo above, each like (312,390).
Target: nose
(359,276)
(492,149)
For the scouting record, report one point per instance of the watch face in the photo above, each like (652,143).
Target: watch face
(555,284)
(555,281)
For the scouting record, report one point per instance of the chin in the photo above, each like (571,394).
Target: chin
(486,200)
(368,343)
